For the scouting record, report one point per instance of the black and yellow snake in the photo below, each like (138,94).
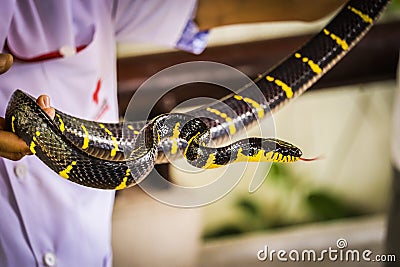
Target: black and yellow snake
(116,156)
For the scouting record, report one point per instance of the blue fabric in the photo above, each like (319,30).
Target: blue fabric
(193,40)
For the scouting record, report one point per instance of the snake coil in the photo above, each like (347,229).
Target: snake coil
(93,154)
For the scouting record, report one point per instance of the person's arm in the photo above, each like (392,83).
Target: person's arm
(214,13)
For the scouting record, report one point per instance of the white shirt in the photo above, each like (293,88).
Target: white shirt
(46,220)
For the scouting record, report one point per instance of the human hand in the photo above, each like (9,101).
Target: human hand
(6,60)
(11,146)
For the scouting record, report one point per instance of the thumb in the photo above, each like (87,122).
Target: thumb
(44,102)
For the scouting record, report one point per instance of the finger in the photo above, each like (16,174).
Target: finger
(6,60)
(44,102)
(11,146)
(12,156)
(11,143)
(2,123)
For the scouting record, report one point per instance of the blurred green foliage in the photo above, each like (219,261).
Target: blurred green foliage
(318,204)
(326,206)
(394,9)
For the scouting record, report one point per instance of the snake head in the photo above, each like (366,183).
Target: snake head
(282,149)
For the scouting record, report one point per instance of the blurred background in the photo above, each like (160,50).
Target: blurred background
(346,118)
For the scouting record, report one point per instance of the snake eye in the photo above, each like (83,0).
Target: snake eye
(296,152)
(287,149)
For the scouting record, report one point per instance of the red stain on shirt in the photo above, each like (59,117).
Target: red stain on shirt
(96,92)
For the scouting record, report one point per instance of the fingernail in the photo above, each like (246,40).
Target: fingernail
(46,101)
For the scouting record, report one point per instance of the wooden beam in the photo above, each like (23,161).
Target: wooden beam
(374,59)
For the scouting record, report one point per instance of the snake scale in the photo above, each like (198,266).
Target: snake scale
(119,155)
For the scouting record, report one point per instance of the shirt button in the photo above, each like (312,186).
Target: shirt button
(67,51)
(20,170)
(49,259)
